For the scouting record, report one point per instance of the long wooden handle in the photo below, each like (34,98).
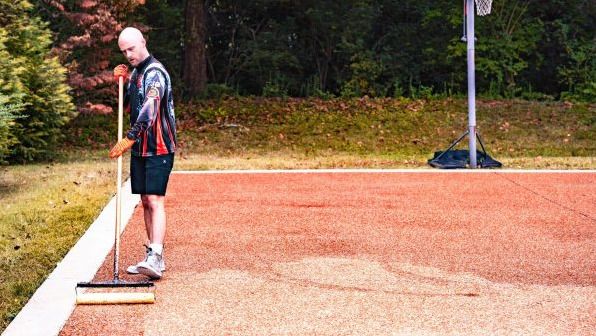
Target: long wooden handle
(118,179)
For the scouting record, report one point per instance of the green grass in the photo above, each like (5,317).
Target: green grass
(391,128)
(285,160)
(46,207)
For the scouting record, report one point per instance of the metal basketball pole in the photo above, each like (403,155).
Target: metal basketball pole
(471,81)
(455,160)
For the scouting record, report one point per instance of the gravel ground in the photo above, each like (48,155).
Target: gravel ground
(366,254)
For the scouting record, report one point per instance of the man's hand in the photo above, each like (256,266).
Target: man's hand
(121,71)
(121,147)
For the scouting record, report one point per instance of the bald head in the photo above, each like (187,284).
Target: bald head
(130,34)
(132,44)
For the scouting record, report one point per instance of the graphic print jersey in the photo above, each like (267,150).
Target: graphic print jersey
(151,105)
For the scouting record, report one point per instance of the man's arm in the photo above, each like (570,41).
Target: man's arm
(154,91)
(124,144)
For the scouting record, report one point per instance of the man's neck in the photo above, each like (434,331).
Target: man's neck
(144,62)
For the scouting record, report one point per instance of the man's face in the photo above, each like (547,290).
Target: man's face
(132,49)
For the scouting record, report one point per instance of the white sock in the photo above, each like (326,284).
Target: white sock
(157,248)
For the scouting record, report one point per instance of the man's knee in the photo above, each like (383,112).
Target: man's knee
(152,201)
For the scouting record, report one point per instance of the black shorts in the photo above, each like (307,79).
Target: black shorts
(149,175)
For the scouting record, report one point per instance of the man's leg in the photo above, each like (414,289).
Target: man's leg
(154,209)
(155,218)
(153,212)
(147,215)
(157,173)
(138,184)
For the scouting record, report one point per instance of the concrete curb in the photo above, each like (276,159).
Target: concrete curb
(53,302)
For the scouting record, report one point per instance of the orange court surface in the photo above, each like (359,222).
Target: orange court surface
(365,253)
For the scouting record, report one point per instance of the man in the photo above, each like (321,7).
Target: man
(151,138)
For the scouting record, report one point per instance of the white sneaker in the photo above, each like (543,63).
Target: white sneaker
(133,269)
(151,266)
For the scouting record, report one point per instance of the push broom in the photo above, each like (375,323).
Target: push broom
(85,295)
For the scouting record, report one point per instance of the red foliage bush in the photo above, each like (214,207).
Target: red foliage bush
(86,46)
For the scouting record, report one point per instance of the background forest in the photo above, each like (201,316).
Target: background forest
(57,55)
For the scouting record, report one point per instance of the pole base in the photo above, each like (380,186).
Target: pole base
(457,159)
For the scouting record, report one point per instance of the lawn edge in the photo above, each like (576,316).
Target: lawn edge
(52,303)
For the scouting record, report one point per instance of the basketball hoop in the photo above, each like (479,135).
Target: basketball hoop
(483,7)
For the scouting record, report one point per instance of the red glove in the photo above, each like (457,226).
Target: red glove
(121,147)
(121,71)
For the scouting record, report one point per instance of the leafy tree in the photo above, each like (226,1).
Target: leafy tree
(8,113)
(10,95)
(511,37)
(33,78)
(87,32)
(340,35)
(195,66)
(349,47)
(164,22)
(578,75)
(575,37)
(412,38)
(249,47)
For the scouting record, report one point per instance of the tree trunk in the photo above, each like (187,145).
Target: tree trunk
(195,66)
